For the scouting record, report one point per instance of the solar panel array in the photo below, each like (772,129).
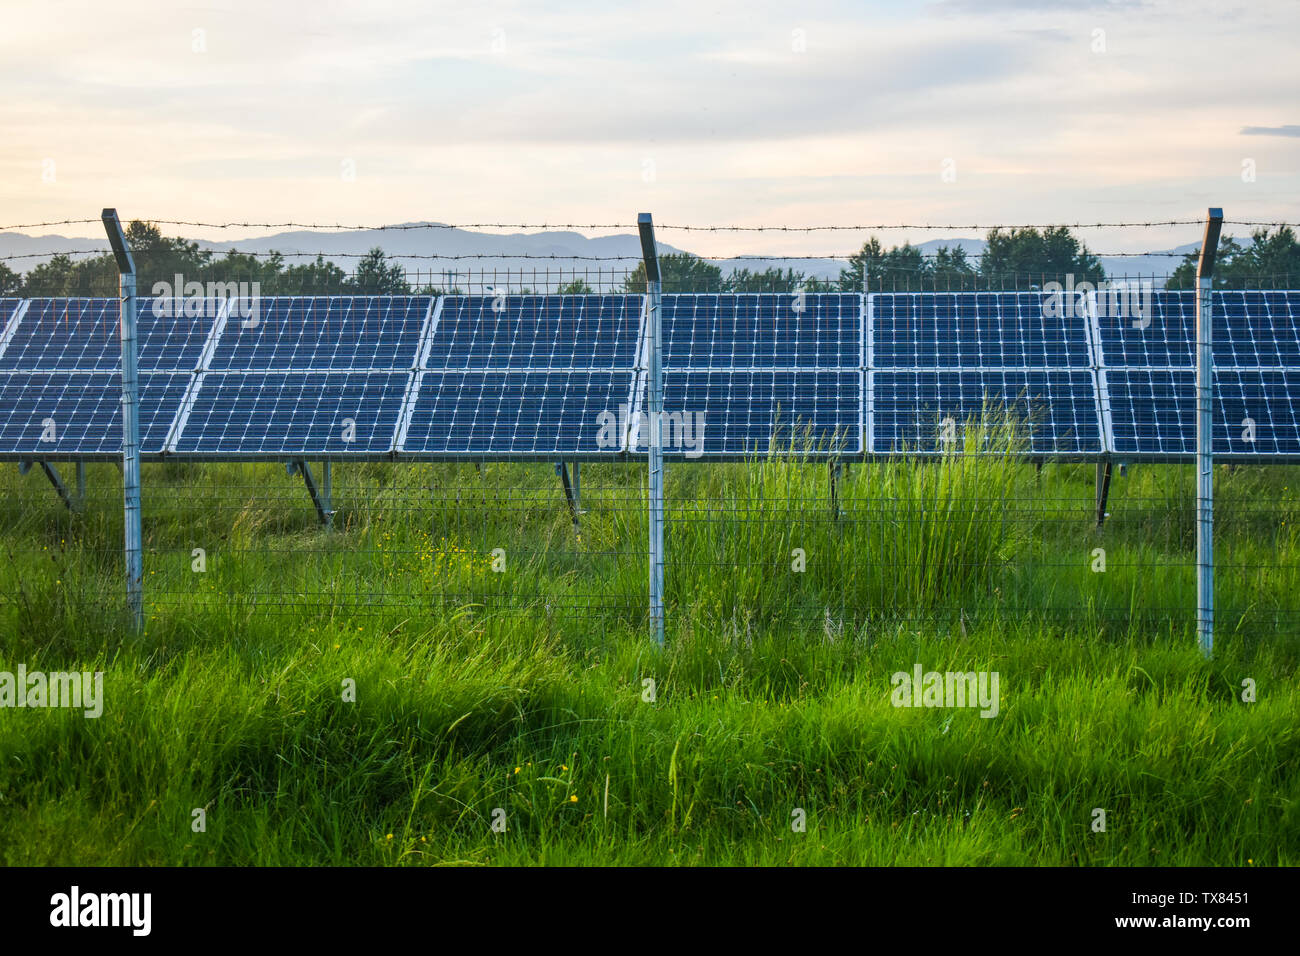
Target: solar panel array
(550,377)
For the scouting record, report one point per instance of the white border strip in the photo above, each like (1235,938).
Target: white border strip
(12,328)
(197,375)
(431,317)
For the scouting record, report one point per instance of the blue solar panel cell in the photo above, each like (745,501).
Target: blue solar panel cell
(520,413)
(740,413)
(1251,329)
(1048,412)
(69,414)
(979,329)
(1162,336)
(294,413)
(811,330)
(302,333)
(83,334)
(536,331)
(1256,412)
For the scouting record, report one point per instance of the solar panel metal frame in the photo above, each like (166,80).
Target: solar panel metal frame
(1086,328)
(294,348)
(201,377)
(857,453)
(1103,386)
(425,366)
(144,374)
(112,399)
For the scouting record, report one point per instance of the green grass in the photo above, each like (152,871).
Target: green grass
(523,690)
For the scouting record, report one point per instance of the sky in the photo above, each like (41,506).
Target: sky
(813,113)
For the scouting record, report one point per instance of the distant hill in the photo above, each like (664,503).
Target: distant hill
(505,252)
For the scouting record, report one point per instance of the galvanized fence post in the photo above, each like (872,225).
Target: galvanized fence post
(1205,434)
(130,421)
(655,406)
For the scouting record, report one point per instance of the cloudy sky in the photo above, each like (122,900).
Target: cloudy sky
(950,111)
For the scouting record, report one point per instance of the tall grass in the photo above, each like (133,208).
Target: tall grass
(526,691)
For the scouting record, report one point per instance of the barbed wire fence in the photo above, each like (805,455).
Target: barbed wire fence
(837,547)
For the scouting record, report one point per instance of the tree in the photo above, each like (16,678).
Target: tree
(1272,258)
(950,268)
(319,277)
(906,268)
(769,280)
(681,272)
(1020,257)
(374,276)
(576,287)
(160,259)
(11,282)
(61,276)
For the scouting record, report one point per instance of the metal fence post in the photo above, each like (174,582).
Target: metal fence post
(655,403)
(1205,434)
(130,421)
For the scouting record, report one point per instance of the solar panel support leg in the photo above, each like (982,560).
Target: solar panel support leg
(319,496)
(327,489)
(1103,490)
(56,480)
(835,469)
(570,493)
(577,486)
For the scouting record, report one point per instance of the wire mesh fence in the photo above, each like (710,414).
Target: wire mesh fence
(844,547)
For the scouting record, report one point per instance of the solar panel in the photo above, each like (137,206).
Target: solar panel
(1256,329)
(813,330)
(1048,411)
(287,414)
(84,335)
(301,333)
(49,414)
(519,413)
(1256,413)
(536,331)
(1251,329)
(746,412)
(979,329)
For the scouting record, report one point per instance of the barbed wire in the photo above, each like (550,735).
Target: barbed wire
(749,257)
(409,226)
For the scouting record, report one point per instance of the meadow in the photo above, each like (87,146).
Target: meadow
(504,675)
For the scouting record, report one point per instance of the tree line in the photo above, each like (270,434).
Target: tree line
(1012,259)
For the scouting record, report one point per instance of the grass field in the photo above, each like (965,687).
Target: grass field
(524,690)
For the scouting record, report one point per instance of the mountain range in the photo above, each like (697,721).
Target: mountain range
(564,253)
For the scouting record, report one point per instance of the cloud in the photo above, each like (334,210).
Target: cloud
(1291,129)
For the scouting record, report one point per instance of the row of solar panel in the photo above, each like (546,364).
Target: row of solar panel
(590,414)
(247,399)
(904,331)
